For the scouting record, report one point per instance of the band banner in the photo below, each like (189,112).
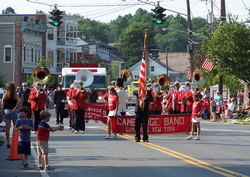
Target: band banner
(96,112)
(157,124)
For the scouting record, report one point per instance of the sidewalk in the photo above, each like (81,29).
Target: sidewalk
(12,168)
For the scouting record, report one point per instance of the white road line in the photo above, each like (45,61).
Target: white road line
(34,154)
(225,130)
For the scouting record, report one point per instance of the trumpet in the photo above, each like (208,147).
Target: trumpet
(41,90)
(197,90)
(81,89)
(159,94)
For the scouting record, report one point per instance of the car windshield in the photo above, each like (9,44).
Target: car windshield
(135,85)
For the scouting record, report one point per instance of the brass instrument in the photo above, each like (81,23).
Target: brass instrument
(127,76)
(164,81)
(159,94)
(81,89)
(41,74)
(198,77)
(197,90)
(41,90)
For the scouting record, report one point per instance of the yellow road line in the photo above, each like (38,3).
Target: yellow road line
(187,158)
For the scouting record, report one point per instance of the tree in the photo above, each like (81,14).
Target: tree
(113,71)
(40,12)
(229,50)
(3,80)
(132,41)
(8,10)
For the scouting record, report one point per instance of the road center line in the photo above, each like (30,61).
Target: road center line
(186,158)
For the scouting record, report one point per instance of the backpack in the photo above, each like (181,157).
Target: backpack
(2,115)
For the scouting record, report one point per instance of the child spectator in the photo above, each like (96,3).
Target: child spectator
(42,140)
(197,110)
(218,111)
(113,110)
(213,109)
(206,107)
(225,114)
(24,125)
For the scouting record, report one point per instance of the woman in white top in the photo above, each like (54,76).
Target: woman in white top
(122,95)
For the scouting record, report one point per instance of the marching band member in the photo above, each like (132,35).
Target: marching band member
(189,98)
(37,98)
(182,100)
(122,95)
(59,101)
(173,99)
(69,105)
(157,97)
(79,106)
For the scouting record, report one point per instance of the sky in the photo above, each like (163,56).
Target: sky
(107,10)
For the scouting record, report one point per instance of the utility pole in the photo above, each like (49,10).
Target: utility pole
(167,59)
(212,11)
(190,39)
(222,20)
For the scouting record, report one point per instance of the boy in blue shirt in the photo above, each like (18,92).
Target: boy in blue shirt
(24,125)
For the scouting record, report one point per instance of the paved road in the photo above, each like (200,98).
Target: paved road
(222,151)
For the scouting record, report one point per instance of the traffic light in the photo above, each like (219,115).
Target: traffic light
(56,17)
(158,15)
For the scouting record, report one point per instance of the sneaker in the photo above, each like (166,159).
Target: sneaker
(189,138)
(82,132)
(75,132)
(26,167)
(195,133)
(108,137)
(34,132)
(114,137)
(61,123)
(222,121)
(49,168)
(197,138)
(40,168)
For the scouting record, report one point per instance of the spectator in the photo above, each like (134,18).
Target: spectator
(218,98)
(225,114)
(10,104)
(92,95)
(206,107)
(205,94)
(213,109)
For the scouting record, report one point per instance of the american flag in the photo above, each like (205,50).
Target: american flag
(207,65)
(142,79)
(189,76)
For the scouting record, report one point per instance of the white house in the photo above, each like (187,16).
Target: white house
(155,68)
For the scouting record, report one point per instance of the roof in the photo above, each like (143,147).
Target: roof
(162,64)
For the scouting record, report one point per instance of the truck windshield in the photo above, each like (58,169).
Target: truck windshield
(135,85)
(68,80)
(99,81)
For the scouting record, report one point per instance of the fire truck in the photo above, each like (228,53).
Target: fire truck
(91,74)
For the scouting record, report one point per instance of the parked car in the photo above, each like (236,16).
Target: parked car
(2,90)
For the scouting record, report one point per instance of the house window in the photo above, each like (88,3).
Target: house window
(152,68)
(35,55)
(50,34)
(50,57)
(39,54)
(32,57)
(24,53)
(7,54)
(85,50)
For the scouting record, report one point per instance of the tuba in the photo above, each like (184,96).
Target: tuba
(86,76)
(198,77)
(164,81)
(127,76)
(41,74)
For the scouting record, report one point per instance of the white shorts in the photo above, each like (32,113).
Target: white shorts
(111,113)
(195,120)
(227,117)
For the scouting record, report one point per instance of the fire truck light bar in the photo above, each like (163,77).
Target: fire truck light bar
(93,70)
(75,70)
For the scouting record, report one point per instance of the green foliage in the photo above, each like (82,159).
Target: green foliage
(3,80)
(113,71)
(229,49)
(8,10)
(40,12)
